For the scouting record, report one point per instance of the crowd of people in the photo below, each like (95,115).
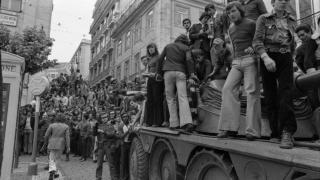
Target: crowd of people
(77,116)
(238,49)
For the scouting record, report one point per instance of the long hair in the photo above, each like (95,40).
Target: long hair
(238,5)
(155,47)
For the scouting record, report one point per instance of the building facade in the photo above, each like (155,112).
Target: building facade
(104,17)
(81,58)
(19,14)
(138,23)
(117,49)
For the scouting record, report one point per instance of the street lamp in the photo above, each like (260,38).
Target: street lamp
(37,86)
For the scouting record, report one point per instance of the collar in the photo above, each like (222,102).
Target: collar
(273,14)
(247,2)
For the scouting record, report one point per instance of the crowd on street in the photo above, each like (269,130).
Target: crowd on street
(234,52)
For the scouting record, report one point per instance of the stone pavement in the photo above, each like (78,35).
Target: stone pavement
(72,170)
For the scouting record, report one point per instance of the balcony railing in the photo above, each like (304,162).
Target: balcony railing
(100,76)
(128,12)
(103,51)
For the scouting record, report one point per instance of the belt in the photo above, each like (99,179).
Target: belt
(279,50)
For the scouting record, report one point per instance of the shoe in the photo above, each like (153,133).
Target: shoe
(223,134)
(274,140)
(286,140)
(94,161)
(67,159)
(174,128)
(56,175)
(188,128)
(84,159)
(51,174)
(196,122)
(250,137)
(165,124)
(81,158)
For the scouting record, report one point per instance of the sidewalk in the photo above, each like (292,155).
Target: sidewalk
(21,172)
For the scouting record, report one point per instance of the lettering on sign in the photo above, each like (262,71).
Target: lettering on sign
(9,20)
(8,68)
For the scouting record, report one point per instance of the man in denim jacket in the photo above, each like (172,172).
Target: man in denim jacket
(274,42)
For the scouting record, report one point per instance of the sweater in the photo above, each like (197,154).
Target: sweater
(241,35)
(175,54)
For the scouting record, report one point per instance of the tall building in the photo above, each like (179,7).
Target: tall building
(102,49)
(19,14)
(81,58)
(138,23)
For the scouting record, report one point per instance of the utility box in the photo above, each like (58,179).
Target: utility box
(12,67)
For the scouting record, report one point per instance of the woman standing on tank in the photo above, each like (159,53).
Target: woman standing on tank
(155,89)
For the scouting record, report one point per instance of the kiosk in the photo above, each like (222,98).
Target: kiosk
(12,69)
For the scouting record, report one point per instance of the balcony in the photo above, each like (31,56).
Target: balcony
(100,76)
(128,12)
(103,51)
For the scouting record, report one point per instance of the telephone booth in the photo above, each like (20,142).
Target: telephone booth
(12,69)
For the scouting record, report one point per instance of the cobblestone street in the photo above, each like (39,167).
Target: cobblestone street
(72,170)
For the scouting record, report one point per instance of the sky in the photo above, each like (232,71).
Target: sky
(71,20)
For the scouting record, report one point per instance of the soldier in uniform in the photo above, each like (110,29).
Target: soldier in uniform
(107,136)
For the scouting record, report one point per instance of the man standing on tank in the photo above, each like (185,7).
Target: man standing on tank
(274,42)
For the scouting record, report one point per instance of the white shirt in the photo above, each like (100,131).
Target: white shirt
(65,101)
(28,124)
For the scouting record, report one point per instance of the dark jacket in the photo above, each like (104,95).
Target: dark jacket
(199,40)
(300,56)
(267,34)
(175,54)
(310,60)
(200,69)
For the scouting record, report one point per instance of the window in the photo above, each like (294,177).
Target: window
(109,60)
(119,72)
(98,47)
(180,13)
(119,48)
(149,20)
(305,10)
(102,42)
(137,63)
(128,41)
(11,5)
(104,62)
(126,69)
(137,31)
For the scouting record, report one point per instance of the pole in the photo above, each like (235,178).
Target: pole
(35,132)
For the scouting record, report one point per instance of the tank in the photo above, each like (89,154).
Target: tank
(209,110)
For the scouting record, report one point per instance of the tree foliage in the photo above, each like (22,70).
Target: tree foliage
(33,45)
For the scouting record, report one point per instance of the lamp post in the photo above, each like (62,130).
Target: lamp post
(37,86)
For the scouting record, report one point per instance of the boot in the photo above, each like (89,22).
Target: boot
(223,134)
(286,140)
(51,174)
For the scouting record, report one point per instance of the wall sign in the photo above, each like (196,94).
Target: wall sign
(9,68)
(9,20)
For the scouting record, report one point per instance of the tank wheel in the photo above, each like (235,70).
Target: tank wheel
(208,165)
(163,165)
(138,163)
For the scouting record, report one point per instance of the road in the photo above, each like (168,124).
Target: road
(73,169)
